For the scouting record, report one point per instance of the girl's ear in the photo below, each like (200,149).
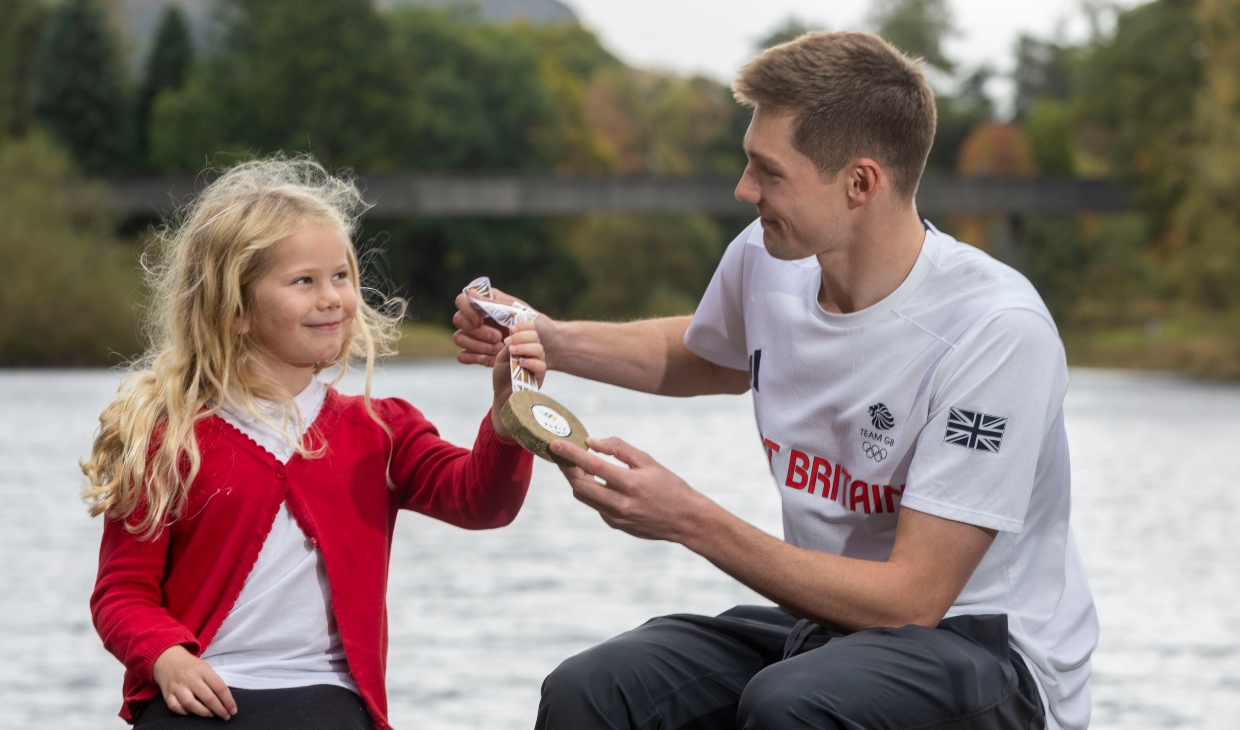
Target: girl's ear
(240,325)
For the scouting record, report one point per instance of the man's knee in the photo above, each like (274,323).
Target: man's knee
(585,674)
(781,697)
(601,678)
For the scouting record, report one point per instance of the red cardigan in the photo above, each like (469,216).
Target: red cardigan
(178,587)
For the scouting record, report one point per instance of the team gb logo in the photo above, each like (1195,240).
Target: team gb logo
(881,417)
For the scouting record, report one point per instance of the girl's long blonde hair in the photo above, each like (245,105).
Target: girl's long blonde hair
(207,259)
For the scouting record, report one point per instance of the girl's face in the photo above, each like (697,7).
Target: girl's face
(303,305)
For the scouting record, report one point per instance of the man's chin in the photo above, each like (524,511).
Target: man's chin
(779,247)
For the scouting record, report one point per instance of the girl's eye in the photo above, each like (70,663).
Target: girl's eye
(302,280)
(340,276)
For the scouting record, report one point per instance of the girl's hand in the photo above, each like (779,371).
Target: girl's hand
(523,344)
(190,685)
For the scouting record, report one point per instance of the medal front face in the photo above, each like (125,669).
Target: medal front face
(552,422)
(536,420)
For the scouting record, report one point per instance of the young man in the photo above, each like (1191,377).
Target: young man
(908,390)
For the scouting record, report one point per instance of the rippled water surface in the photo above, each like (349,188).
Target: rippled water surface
(477,619)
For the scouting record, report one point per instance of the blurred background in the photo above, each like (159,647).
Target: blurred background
(96,91)
(99,98)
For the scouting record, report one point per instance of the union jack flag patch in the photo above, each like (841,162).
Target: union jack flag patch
(974,430)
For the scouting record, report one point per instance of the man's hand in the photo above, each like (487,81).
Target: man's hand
(190,685)
(641,498)
(647,355)
(479,338)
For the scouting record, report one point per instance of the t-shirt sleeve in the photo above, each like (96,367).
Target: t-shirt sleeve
(996,397)
(717,332)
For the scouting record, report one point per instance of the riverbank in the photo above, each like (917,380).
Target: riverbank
(1200,347)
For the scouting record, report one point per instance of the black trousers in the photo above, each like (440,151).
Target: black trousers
(755,667)
(318,707)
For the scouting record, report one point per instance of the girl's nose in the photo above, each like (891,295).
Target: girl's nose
(329,299)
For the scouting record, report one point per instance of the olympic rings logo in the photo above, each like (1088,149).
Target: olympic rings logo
(874,451)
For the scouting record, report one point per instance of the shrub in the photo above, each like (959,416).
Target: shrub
(70,286)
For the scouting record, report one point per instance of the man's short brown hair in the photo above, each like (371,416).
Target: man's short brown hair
(853,95)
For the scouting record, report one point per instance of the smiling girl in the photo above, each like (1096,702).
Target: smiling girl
(250,506)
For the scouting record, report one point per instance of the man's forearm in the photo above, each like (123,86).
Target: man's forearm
(829,589)
(647,355)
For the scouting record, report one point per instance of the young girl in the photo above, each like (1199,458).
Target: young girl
(249,506)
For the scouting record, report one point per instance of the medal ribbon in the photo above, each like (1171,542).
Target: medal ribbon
(505,315)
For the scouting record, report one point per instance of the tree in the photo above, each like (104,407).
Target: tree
(1134,103)
(646,266)
(917,27)
(166,68)
(1207,224)
(659,123)
(1043,71)
(70,285)
(292,75)
(21,24)
(479,99)
(79,95)
(958,115)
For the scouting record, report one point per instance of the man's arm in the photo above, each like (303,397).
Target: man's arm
(929,564)
(647,355)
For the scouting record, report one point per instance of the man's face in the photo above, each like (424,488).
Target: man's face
(802,214)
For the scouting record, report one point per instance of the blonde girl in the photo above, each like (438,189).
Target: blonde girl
(249,505)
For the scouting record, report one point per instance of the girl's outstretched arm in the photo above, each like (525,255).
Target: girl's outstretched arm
(477,488)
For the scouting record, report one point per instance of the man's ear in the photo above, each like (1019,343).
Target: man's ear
(865,179)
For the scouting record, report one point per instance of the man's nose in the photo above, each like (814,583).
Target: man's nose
(747,190)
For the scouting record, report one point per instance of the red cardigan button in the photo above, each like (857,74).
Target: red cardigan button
(280,473)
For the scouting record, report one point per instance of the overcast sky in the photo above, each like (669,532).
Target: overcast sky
(715,37)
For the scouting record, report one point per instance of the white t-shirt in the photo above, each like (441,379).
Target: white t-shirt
(946,397)
(281,631)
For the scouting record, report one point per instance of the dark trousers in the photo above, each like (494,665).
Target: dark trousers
(754,668)
(318,707)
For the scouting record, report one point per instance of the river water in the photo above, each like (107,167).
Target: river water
(477,619)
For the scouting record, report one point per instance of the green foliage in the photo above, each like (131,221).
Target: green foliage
(575,48)
(293,76)
(661,124)
(166,68)
(429,261)
(1134,101)
(917,27)
(1093,272)
(79,93)
(644,266)
(1043,71)
(476,94)
(1049,127)
(958,115)
(21,24)
(1207,222)
(69,285)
